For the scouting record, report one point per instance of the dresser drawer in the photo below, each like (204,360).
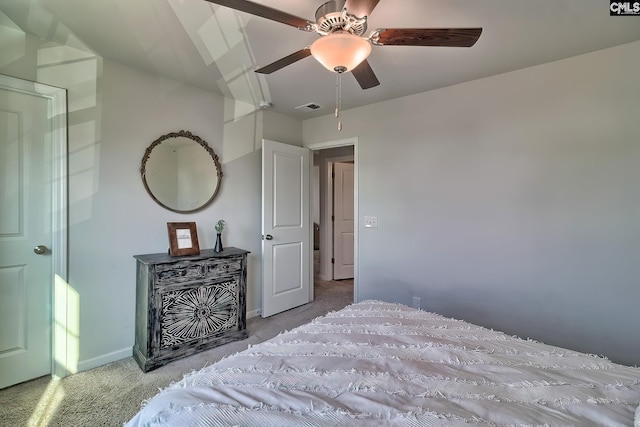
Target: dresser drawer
(181,272)
(222,267)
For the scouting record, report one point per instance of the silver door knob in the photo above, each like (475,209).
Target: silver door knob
(40,249)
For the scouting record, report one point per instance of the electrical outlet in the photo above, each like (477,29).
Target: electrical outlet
(371,222)
(416,302)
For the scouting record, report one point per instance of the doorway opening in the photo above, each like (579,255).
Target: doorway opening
(334,215)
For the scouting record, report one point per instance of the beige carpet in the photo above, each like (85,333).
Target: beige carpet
(110,395)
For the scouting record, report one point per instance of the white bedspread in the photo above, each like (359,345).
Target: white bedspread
(376,363)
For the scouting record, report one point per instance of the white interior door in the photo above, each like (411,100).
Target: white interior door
(286,227)
(343,253)
(25,223)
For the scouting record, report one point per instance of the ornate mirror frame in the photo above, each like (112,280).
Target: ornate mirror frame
(203,144)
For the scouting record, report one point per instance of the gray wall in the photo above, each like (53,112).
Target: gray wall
(510,201)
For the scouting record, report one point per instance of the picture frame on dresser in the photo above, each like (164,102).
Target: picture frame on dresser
(183,238)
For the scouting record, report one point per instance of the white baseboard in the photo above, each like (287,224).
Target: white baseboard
(253,313)
(114,356)
(85,365)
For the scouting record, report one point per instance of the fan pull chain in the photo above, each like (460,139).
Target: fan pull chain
(339,98)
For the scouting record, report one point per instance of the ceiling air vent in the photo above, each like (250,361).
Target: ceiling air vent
(312,106)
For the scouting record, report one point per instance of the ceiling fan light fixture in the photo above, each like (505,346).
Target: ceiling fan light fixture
(340,51)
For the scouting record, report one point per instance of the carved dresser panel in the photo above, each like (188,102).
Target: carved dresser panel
(188,304)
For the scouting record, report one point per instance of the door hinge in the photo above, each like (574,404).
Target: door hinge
(333,260)
(333,217)
(333,175)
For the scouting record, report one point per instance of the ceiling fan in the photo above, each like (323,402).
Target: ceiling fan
(342,46)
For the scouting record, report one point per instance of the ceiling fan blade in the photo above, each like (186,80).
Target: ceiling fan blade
(287,60)
(365,76)
(361,8)
(265,12)
(447,37)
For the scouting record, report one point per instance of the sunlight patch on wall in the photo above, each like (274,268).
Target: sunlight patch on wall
(236,110)
(40,22)
(220,40)
(84,137)
(12,41)
(78,70)
(222,26)
(84,168)
(213,35)
(57,54)
(66,327)
(210,49)
(79,76)
(240,87)
(242,126)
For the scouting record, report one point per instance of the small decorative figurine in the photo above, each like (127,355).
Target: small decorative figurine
(219,227)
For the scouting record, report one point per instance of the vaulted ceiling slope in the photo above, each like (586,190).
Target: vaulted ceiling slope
(218,49)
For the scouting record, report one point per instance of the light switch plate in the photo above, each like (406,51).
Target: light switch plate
(371,222)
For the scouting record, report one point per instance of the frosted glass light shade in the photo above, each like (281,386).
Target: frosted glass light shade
(340,49)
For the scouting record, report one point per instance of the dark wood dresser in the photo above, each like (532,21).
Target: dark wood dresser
(188,304)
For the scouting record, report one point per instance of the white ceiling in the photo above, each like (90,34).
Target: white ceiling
(215,48)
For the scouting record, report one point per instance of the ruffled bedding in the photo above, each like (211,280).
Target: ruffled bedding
(377,363)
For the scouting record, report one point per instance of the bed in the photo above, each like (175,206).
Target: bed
(378,363)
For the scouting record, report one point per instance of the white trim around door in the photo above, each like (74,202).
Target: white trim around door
(356,247)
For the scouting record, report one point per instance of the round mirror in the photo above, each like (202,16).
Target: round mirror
(181,172)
